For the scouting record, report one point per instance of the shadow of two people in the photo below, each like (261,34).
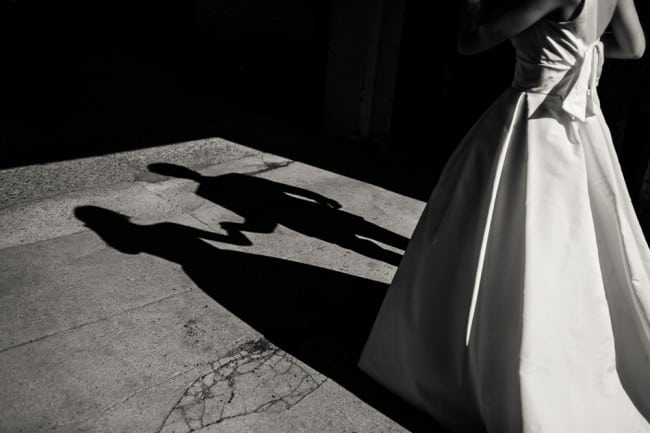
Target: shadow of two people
(265,204)
(320,316)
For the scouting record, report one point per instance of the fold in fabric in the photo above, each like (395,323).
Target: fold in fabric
(522,303)
(527,240)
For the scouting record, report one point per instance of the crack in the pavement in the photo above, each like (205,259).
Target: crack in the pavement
(269,166)
(255,377)
(129,397)
(101,319)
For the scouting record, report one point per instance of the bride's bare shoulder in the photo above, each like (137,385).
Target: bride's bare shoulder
(510,21)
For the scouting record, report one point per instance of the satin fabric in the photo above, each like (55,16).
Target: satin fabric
(522,303)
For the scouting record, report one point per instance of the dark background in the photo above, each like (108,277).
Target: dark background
(95,77)
(82,78)
(88,78)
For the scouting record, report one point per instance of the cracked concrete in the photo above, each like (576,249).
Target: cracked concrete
(255,378)
(100,338)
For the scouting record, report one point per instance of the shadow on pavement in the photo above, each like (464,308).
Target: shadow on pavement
(320,316)
(265,204)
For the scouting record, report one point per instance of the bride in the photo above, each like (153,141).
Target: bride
(522,303)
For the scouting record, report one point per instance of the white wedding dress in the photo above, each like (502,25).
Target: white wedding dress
(522,303)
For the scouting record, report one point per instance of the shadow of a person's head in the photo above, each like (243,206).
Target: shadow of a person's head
(113,227)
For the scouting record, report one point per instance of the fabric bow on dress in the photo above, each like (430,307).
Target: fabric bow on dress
(579,101)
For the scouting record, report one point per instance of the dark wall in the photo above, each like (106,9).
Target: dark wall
(440,94)
(51,41)
(90,77)
(276,50)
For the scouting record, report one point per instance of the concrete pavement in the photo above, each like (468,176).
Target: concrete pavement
(142,300)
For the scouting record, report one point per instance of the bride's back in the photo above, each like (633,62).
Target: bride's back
(507,19)
(606,9)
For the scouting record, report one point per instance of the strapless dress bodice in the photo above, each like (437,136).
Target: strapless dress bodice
(554,58)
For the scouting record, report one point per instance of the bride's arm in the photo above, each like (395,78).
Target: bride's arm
(475,36)
(626,41)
